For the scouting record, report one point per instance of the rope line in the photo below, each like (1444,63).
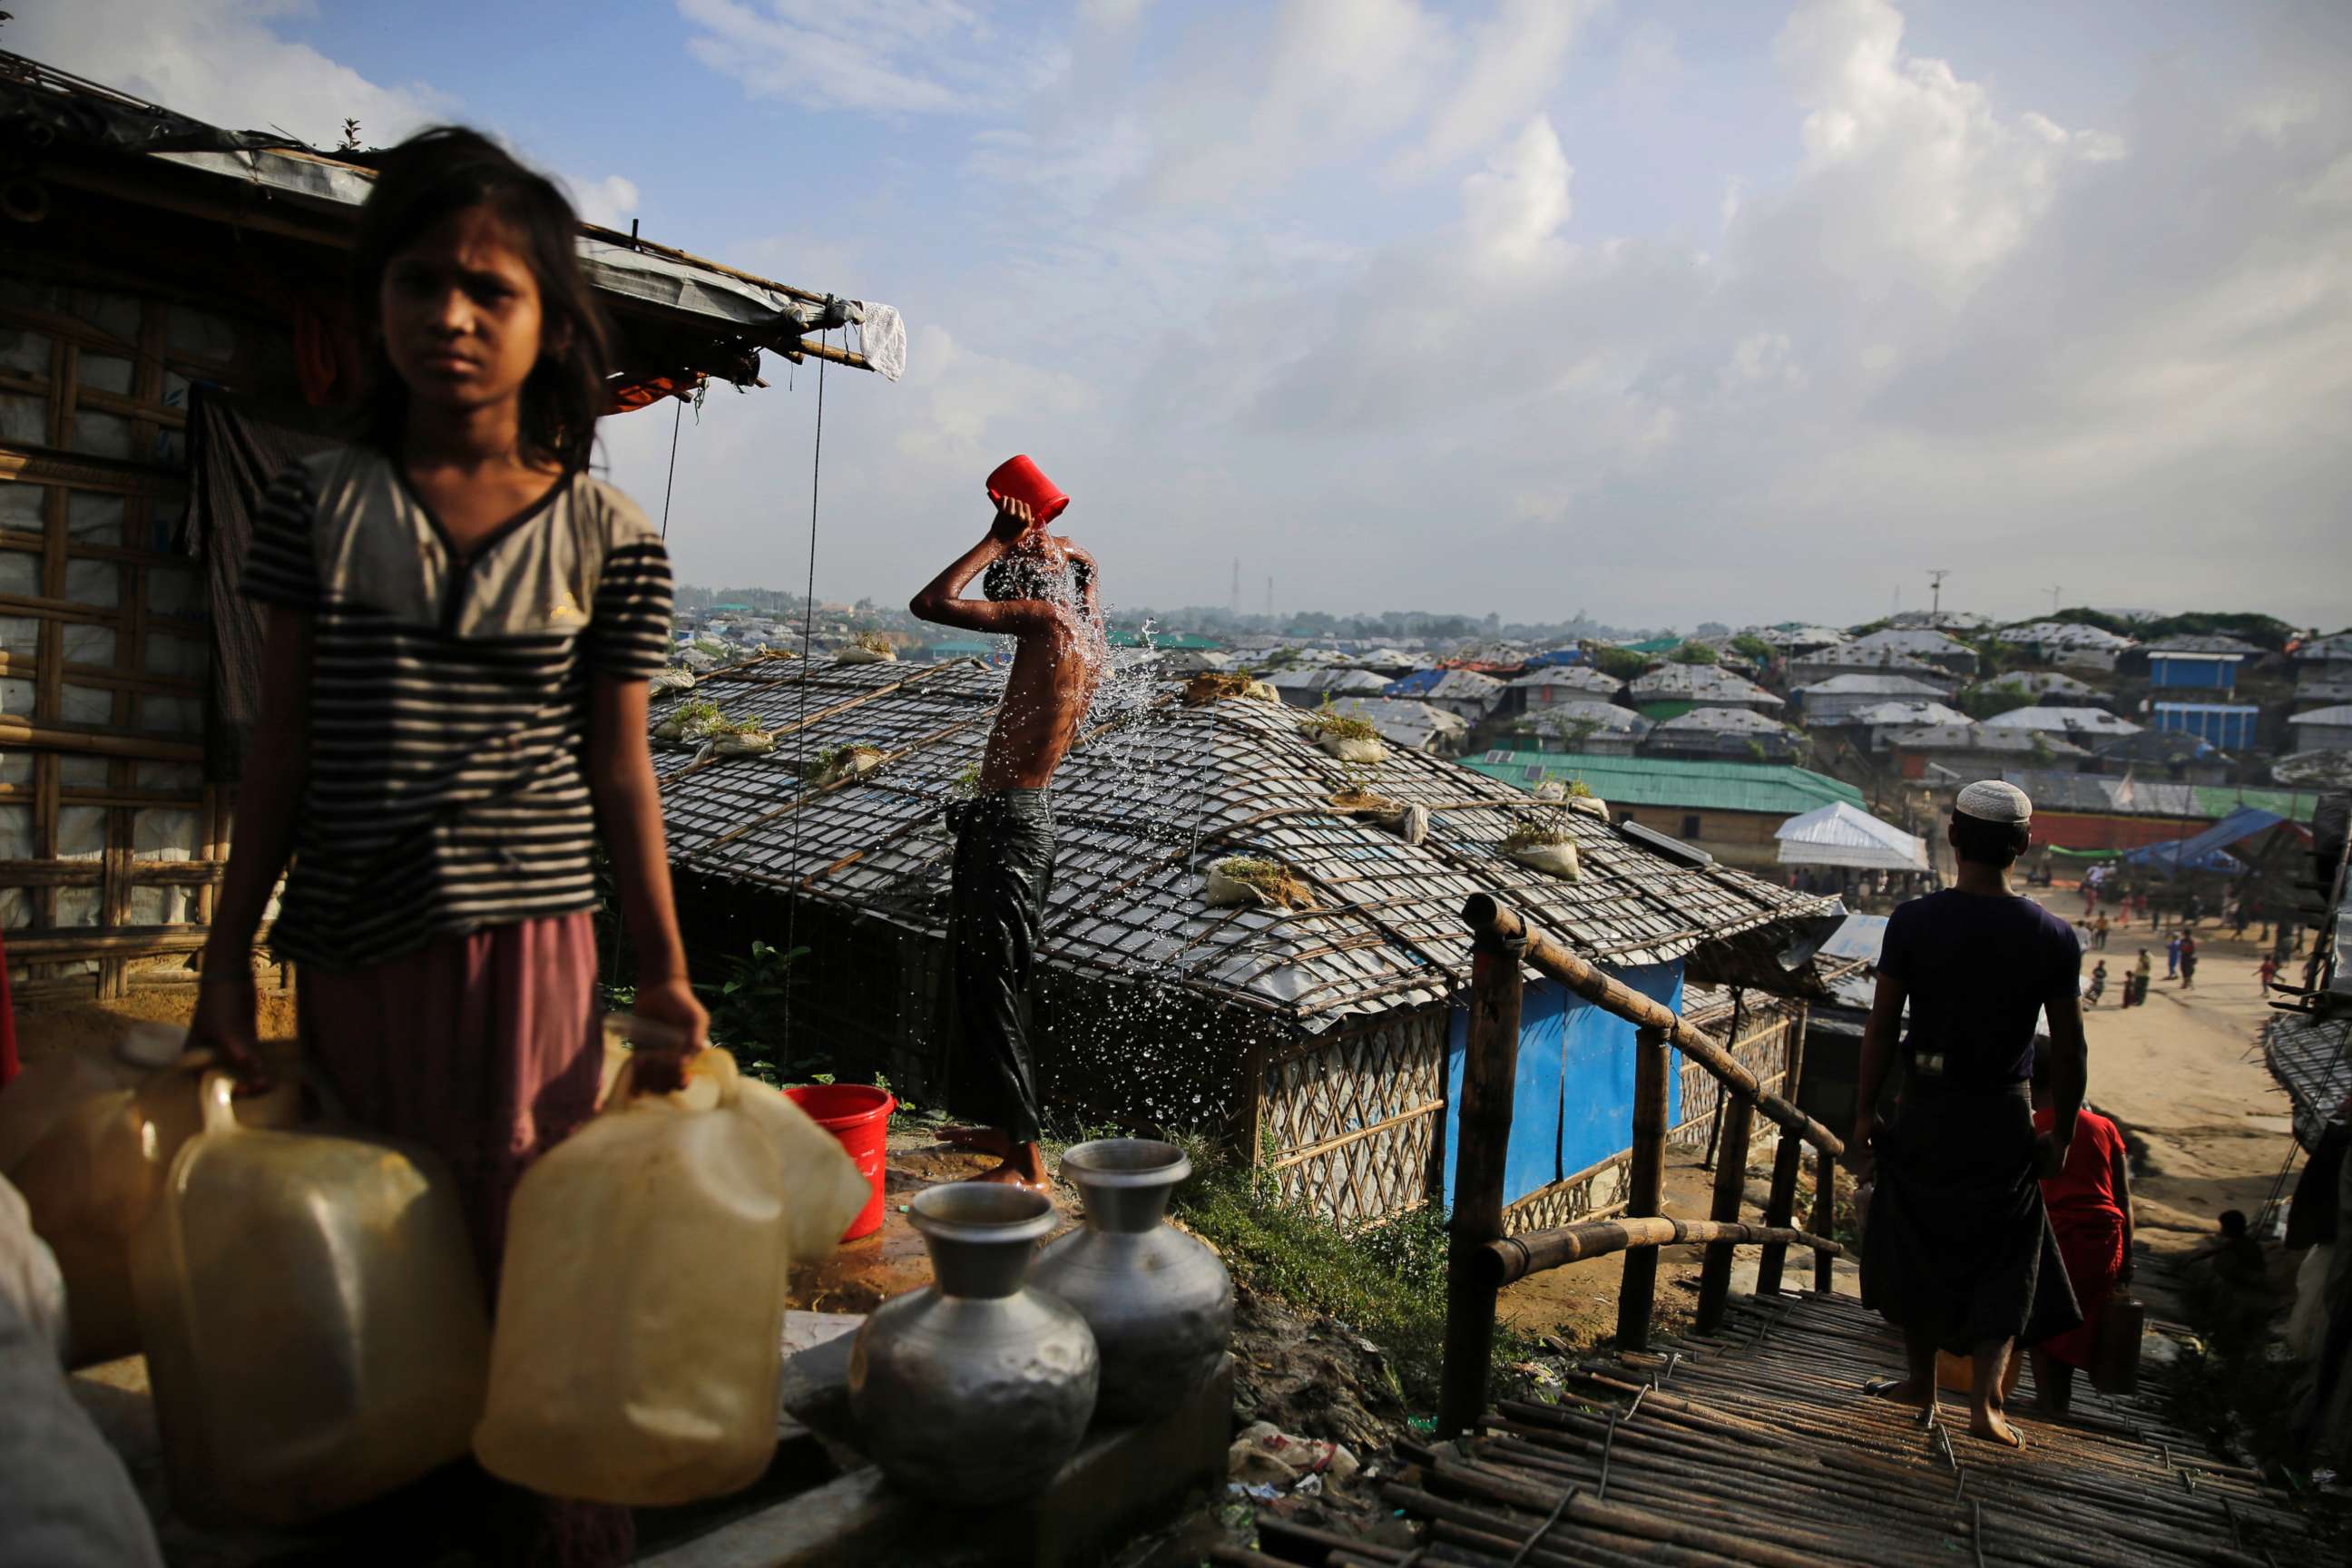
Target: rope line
(808,627)
(670,484)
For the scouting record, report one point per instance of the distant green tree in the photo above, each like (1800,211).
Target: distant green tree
(1618,663)
(1696,653)
(1753,647)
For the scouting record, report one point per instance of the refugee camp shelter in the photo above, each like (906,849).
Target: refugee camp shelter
(1731,810)
(2323,728)
(1585,727)
(1725,732)
(1845,836)
(1837,698)
(173,330)
(1415,726)
(1673,690)
(1318,1039)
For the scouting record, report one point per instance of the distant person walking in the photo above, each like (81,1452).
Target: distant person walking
(2141,976)
(2267,971)
(2188,962)
(2099,934)
(2098,982)
(1959,1252)
(2172,957)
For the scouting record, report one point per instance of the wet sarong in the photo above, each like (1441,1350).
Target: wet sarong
(1958,1246)
(996,916)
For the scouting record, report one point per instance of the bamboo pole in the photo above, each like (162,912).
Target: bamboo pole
(1484,913)
(1824,1217)
(1780,1208)
(1483,1130)
(1646,1186)
(1730,1180)
(1515,1257)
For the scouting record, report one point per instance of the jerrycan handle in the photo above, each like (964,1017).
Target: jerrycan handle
(709,1062)
(216,1095)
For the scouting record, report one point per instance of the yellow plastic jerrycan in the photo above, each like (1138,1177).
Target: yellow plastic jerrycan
(642,1295)
(313,1320)
(95,1174)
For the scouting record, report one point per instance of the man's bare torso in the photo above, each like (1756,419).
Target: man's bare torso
(1054,677)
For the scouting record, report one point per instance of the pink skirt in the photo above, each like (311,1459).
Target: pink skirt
(484,1048)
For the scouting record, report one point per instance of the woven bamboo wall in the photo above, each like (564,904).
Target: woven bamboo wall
(1350,1123)
(110,841)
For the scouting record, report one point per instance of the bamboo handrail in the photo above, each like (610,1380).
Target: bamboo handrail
(1489,916)
(1533,1251)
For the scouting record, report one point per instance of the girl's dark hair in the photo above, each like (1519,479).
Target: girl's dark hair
(425,180)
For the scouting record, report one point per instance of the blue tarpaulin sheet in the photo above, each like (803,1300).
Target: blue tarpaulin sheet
(1573,1104)
(2203,851)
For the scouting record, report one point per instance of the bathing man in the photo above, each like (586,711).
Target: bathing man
(1041,591)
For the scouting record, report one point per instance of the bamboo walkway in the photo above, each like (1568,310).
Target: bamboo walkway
(1756,1445)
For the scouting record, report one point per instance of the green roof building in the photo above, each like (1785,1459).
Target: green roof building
(1729,810)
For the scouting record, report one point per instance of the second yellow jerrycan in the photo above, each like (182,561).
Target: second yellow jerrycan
(312,1317)
(95,1173)
(641,1299)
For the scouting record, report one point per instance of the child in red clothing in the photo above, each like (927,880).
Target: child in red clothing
(2089,1205)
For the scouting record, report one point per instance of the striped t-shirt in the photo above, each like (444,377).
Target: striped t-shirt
(448,788)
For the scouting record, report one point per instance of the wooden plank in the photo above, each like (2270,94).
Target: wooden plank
(1646,1190)
(91,549)
(1482,1131)
(15,731)
(1780,1205)
(131,408)
(1824,1216)
(80,471)
(1730,1181)
(59,608)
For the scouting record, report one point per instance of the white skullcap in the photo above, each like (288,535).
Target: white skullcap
(1990,800)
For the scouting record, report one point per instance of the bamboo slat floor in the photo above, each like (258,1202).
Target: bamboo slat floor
(1758,1445)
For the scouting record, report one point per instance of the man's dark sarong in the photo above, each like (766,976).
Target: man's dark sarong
(1958,1246)
(996,914)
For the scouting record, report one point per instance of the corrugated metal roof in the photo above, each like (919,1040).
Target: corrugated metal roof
(1865,685)
(1152,793)
(1706,682)
(1775,788)
(2052,790)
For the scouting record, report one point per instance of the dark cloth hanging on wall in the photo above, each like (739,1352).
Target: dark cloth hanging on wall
(237,445)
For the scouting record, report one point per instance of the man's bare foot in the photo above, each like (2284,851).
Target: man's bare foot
(1024,1167)
(1919,1392)
(1994,1427)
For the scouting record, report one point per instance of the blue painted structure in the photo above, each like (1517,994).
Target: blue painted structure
(1417,684)
(1573,1100)
(2193,671)
(2228,725)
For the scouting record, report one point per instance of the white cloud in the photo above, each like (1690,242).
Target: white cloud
(1514,209)
(1513,63)
(607,203)
(885,57)
(219,61)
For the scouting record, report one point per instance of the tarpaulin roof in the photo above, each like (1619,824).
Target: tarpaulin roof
(2206,851)
(90,118)
(1844,835)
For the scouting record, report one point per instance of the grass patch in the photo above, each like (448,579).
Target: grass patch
(1271,879)
(875,642)
(1535,834)
(1386,1282)
(1329,721)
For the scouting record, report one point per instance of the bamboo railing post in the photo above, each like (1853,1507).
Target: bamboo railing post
(1779,1209)
(1824,1216)
(1730,1180)
(1482,1125)
(1646,1186)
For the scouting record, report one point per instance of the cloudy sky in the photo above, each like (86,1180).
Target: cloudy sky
(1695,309)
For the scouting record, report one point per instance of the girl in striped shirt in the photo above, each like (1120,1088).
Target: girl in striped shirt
(461,625)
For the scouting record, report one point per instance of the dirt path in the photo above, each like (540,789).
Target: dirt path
(2208,1128)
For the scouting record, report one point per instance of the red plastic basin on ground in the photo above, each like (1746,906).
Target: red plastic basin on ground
(859,1115)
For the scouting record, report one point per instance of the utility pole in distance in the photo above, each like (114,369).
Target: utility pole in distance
(2055,589)
(1936,575)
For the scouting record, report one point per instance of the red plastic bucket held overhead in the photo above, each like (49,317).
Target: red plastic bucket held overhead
(859,1115)
(1018,478)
